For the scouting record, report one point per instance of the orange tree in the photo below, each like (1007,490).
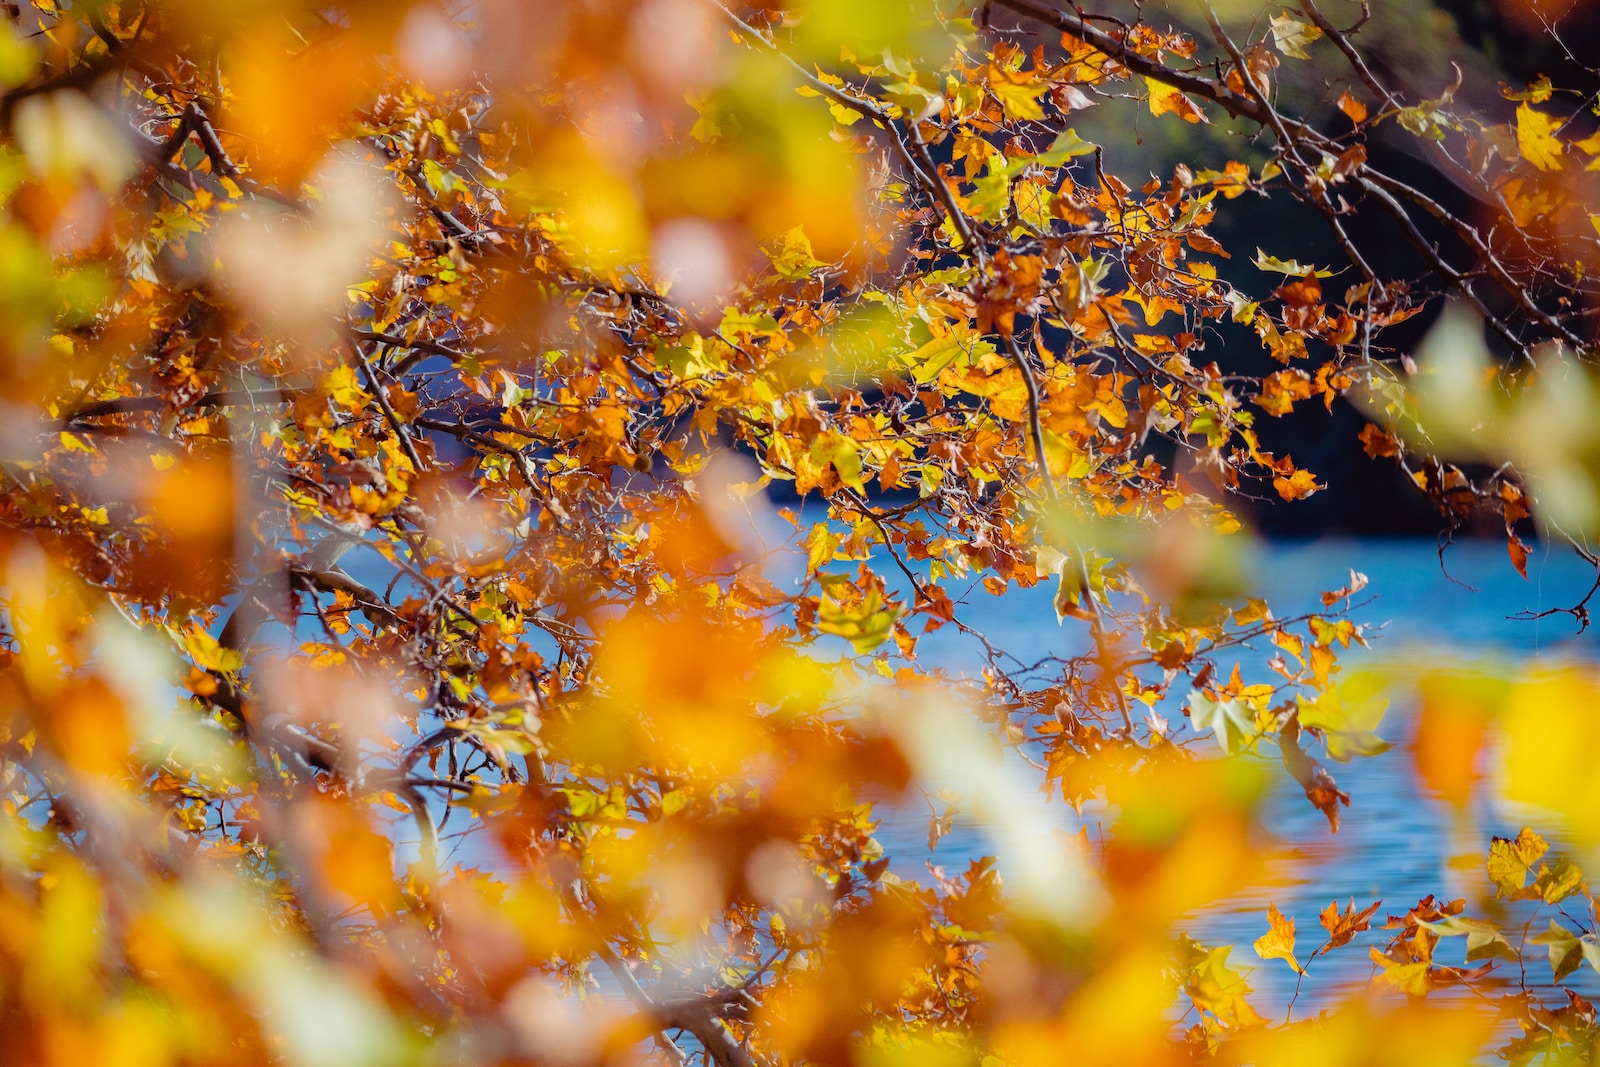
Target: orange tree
(401,660)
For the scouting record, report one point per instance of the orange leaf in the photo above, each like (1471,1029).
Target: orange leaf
(1342,928)
(1519,553)
(1302,483)
(1355,109)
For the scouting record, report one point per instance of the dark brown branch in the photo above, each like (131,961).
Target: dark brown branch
(1079,27)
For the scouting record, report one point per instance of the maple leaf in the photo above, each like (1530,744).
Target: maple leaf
(1291,36)
(1416,978)
(1518,553)
(1567,950)
(1555,881)
(1232,722)
(1288,266)
(1511,860)
(1538,91)
(1483,938)
(1164,99)
(1354,109)
(1215,987)
(1342,928)
(1067,145)
(1536,138)
(1278,942)
(1020,101)
(791,254)
(1347,715)
(1297,486)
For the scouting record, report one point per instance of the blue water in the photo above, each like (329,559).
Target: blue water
(1395,842)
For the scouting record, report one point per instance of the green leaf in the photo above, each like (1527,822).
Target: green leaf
(1347,715)
(1067,145)
(1484,939)
(866,624)
(1232,721)
(993,191)
(1565,952)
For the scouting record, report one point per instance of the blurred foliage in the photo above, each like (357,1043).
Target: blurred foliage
(402,657)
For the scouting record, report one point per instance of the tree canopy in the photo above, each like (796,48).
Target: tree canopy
(475,480)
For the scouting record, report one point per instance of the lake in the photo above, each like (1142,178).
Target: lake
(1395,841)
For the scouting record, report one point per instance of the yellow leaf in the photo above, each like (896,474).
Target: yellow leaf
(1291,267)
(1538,90)
(344,388)
(791,254)
(1164,98)
(1511,860)
(1590,145)
(1536,138)
(1019,101)
(1278,942)
(844,116)
(820,546)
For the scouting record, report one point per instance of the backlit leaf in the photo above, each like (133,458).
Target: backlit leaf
(1278,942)
(1536,138)
(1291,36)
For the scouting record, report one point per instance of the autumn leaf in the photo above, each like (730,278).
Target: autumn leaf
(791,254)
(1343,927)
(1019,101)
(1538,91)
(1555,881)
(1511,860)
(1278,942)
(1297,486)
(1536,139)
(865,622)
(1518,552)
(1215,987)
(1291,36)
(1165,99)
(1354,109)
(1288,266)
(1416,979)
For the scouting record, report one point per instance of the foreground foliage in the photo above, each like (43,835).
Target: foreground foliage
(403,661)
